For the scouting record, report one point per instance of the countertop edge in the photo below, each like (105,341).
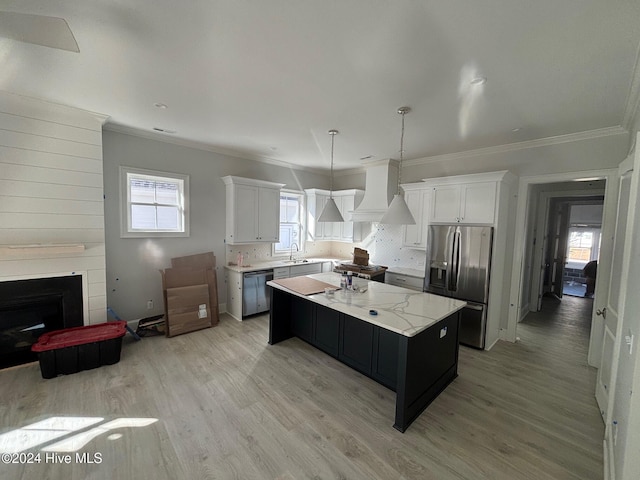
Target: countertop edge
(372,319)
(277,264)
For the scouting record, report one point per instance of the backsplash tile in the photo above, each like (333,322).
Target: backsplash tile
(384,245)
(261,252)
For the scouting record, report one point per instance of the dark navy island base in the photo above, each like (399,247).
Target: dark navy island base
(417,368)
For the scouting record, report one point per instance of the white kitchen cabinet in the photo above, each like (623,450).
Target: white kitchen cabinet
(473,202)
(418,198)
(406,281)
(304,269)
(234,293)
(298,270)
(252,210)
(346,201)
(280,272)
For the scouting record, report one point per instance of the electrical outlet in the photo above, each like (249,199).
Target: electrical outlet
(149,304)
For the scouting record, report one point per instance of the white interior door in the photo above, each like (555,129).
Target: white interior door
(609,312)
(616,375)
(559,246)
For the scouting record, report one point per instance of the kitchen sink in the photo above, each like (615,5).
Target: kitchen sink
(296,261)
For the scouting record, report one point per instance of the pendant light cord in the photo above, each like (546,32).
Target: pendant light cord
(402,112)
(333,134)
(333,137)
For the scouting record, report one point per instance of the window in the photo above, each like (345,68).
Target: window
(291,209)
(583,246)
(154,204)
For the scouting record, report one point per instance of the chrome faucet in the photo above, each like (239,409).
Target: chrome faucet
(291,250)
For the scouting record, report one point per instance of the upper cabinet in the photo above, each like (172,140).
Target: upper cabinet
(469,199)
(252,211)
(418,198)
(346,201)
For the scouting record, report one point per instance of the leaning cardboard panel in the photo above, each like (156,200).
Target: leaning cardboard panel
(206,261)
(187,309)
(186,300)
(200,260)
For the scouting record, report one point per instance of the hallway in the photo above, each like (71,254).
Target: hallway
(560,330)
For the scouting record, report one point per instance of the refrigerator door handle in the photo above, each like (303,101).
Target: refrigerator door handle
(472,306)
(455,260)
(448,255)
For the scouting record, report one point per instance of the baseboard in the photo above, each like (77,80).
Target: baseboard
(607,472)
(489,347)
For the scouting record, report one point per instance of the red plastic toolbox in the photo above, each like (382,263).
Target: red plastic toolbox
(71,350)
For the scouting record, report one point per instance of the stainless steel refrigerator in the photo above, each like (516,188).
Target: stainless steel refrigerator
(458,264)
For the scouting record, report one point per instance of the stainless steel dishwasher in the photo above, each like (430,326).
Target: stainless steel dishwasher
(255,294)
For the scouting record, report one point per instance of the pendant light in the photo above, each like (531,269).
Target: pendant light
(398,212)
(330,213)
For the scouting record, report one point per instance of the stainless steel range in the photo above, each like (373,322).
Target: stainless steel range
(368,272)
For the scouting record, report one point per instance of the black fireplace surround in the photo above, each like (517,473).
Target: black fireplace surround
(29,308)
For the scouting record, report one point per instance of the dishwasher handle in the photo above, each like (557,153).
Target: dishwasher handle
(261,273)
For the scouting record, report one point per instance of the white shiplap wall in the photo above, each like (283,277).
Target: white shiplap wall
(51,192)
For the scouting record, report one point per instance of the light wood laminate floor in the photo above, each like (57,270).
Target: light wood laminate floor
(231,406)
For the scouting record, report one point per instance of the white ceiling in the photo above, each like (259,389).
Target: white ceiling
(269,78)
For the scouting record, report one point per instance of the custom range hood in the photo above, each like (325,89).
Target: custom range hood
(380,186)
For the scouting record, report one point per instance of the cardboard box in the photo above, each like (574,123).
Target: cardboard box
(188,309)
(360,257)
(200,260)
(190,294)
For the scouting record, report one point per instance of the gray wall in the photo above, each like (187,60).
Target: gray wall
(132,264)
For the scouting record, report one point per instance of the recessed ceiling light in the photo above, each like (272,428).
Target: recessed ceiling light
(160,105)
(516,129)
(478,80)
(163,130)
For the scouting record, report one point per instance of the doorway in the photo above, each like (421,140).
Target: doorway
(571,241)
(528,274)
(584,238)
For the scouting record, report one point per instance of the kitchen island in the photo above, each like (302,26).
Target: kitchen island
(403,339)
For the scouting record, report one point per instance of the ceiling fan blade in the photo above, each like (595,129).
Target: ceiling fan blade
(50,32)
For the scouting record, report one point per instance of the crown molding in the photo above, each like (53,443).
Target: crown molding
(163,137)
(633,97)
(53,106)
(511,147)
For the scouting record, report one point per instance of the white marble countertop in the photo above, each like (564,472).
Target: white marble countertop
(410,272)
(400,310)
(255,266)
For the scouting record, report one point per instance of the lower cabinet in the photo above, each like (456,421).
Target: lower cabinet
(302,318)
(365,347)
(326,333)
(356,344)
(384,368)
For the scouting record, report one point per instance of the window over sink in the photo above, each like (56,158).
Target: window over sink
(291,227)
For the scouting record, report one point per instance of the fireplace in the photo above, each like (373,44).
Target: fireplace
(29,308)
